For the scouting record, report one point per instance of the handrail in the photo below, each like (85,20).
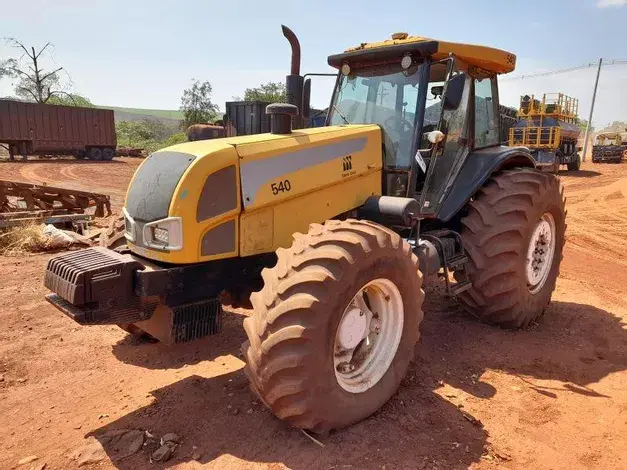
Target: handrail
(558,105)
(535,137)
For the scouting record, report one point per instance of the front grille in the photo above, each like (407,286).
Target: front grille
(196,320)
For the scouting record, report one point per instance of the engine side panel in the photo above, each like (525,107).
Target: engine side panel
(271,227)
(301,162)
(305,178)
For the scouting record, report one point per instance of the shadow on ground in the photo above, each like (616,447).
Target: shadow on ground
(420,428)
(151,355)
(574,344)
(579,173)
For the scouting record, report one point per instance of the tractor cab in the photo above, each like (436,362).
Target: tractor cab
(435,102)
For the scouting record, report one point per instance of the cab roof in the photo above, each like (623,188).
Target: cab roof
(486,58)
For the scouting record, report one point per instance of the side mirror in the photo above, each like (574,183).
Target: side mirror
(432,139)
(454,92)
(305,108)
(437,91)
(435,137)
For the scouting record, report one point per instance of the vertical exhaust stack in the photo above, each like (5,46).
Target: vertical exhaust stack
(294,81)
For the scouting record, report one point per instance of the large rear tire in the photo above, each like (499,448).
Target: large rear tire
(306,324)
(514,235)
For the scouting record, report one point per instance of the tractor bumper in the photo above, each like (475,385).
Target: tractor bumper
(98,286)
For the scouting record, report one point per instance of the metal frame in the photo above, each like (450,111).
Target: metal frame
(27,202)
(537,137)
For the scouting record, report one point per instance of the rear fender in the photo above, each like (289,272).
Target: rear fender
(478,167)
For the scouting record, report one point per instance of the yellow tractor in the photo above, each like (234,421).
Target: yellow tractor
(338,225)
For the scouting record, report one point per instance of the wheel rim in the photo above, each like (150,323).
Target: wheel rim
(368,335)
(540,252)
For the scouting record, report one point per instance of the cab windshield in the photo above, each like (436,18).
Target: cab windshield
(385,95)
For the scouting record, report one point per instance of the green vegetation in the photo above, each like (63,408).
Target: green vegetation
(148,134)
(196,104)
(71,100)
(268,93)
(582,123)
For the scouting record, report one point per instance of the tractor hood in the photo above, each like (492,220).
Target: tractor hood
(185,202)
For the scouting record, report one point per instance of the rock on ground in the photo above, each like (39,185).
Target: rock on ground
(164,452)
(90,452)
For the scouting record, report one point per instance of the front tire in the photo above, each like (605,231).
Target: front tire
(306,318)
(574,166)
(514,228)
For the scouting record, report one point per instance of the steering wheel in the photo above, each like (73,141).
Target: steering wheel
(405,125)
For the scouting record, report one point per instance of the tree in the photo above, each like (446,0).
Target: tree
(196,104)
(71,99)
(150,134)
(270,92)
(6,67)
(34,82)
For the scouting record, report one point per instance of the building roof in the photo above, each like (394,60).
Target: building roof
(486,58)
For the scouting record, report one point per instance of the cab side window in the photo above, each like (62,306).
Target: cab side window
(486,122)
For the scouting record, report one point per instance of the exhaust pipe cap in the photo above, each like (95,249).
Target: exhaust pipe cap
(281,115)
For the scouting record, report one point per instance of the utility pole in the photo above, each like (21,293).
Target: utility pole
(594,97)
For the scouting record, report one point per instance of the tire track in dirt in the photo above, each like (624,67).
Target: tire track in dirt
(110,178)
(69,172)
(30,175)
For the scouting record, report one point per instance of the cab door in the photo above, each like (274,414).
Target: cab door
(447,156)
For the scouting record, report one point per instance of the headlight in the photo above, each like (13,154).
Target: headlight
(166,234)
(161,235)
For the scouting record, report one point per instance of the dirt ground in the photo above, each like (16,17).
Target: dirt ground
(552,397)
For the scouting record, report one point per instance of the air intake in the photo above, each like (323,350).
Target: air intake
(281,117)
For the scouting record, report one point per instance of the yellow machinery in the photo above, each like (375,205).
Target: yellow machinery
(548,127)
(335,227)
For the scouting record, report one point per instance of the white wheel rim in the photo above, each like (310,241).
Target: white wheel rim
(540,253)
(368,336)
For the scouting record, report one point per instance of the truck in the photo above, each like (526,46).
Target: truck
(548,127)
(46,129)
(337,226)
(610,147)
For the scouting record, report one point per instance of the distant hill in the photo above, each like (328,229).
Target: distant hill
(168,117)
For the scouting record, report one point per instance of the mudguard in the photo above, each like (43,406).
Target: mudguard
(478,167)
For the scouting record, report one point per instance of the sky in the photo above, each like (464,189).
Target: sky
(142,54)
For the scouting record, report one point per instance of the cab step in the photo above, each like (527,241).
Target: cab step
(457,261)
(459,287)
